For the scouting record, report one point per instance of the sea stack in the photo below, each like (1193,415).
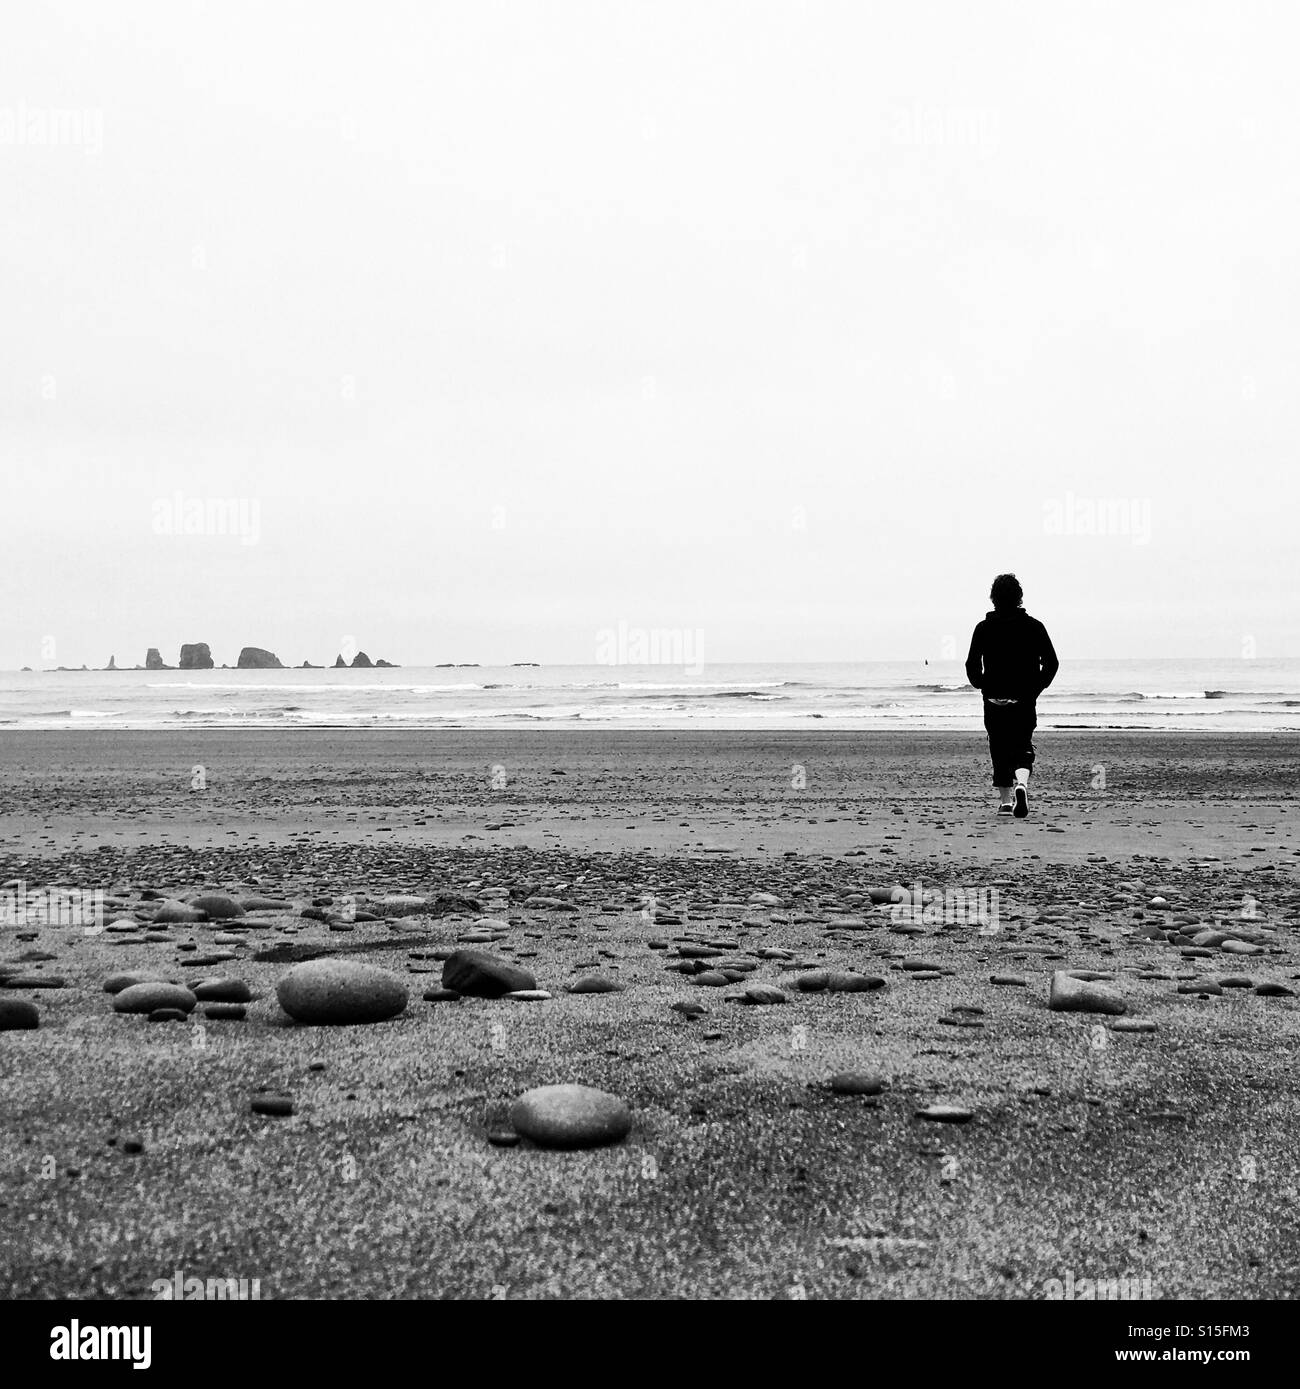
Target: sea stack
(340,663)
(362,661)
(255,658)
(196,656)
(153,660)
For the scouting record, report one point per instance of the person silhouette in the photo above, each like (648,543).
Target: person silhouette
(1011,662)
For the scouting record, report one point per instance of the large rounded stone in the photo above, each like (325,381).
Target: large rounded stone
(1070,995)
(597,984)
(486,976)
(850,982)
(147,998)
(570,1116)
(16,1015)
(222,991)
(178,912)
(217,906)
(340,991)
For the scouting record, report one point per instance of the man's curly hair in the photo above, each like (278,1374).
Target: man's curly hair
(1006,593)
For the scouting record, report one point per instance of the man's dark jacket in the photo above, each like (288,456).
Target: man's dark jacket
(1011,656)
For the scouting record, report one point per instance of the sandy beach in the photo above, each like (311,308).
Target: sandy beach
(1091,1152)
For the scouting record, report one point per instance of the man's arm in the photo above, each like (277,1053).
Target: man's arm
(1050,665)
(974,662)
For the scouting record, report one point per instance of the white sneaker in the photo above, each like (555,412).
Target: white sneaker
(1022,801)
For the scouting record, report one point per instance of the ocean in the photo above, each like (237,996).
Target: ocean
(1218,695)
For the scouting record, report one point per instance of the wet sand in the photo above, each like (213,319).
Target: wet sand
(1170,1155)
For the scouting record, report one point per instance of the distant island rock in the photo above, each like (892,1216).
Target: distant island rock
(154,661)
(386,665)
(254,658)
(307,665)
(362,662)
(112,663)
(196,656)
(533,664)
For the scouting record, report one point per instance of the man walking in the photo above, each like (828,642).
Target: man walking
(1011,662)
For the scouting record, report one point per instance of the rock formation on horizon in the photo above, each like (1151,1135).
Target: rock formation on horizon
(362,661)
(196,656)
(255,658)
(154,661)
(339,662)
(112,663)
(386,665)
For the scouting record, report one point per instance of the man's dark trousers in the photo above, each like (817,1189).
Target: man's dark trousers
(1011,733)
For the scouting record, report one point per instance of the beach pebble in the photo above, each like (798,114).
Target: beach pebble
(1270,989)
(35,981)
(813,982)
(712,978)
(596,984)
(340,991)
(570,1116)
(17,1015)
(850,982)
(697,952)
(441,996)
(1240,947)
(222,991)
(1070,995)
(168,1015)
(1200,986)
(945,1113)
(483,975)
(689,1009)
(265,904)
(149,997)
(528,995)
(1132,1025)
(178,912)
(225,1012)
(763,993)
(1236,981)
(217,906)
(856,1083)
(502,1138)
(764,899)
(1017,981)
(280,1106)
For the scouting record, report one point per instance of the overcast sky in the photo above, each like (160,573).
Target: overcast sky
(785,324)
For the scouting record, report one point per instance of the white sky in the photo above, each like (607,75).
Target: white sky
(788,324)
